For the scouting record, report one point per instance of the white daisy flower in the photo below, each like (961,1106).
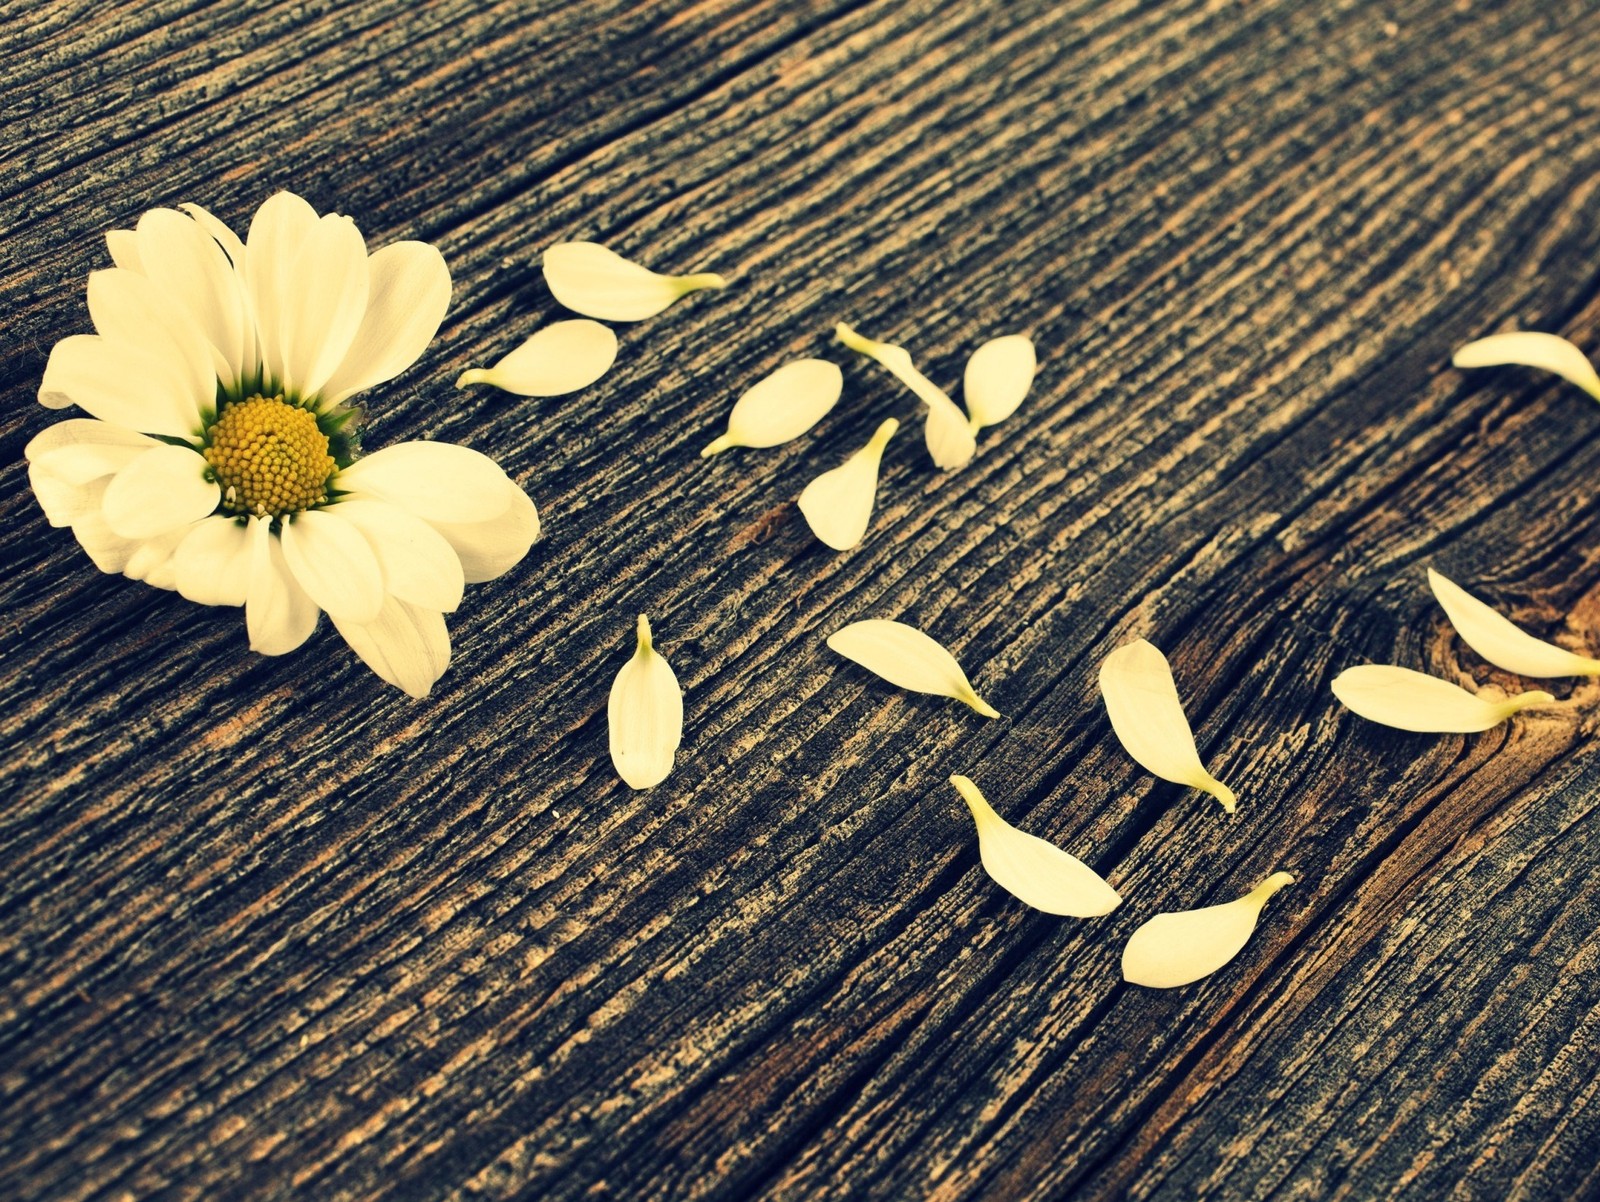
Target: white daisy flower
(220,456)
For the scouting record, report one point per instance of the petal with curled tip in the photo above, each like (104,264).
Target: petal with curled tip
(645,715)
(906,657)
(1529,349)
(1031,869)
(997,379)
(1415,701)
(838,504)
(561,358)
(593,280)
(1178,949)
(1142,699)
(1500,641)
(950,439)
(781,406)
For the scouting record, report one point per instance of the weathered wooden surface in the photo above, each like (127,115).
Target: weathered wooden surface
(269,928)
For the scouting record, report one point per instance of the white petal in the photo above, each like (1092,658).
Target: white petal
(65,503)
(109,550)
(218,232)
(492,548)
(124,248)
(125,385)
(436,481)
(1032,870)
(1410,700)
(998,377)
(906,657)
(279,228)
(782,405)
(1178,949)
(1500,641)
(589,279)
(645,715)
(838,504)
(408,291)
(152,559)
(319,319)
(407,645)
(164,488)
(335,565)
(129,309)
(1142,699)
(1545,351)
(81,449)
(213,562)
(278,614)
(950,439)
(556,360)
(418,564)
(187,265)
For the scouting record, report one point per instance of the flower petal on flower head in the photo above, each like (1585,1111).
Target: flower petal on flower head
(161,490)
(278,614)
(184,262)
(1546,351)
(491,548)
(272,250)
(838,504)
(1031,869)
(781,406)
(152,559)
(212,565)
(436,481)
(997,379)
(407,645)
(129,310)
(127,386)
(590,279)
(419,565)
(1179,949)
(108,549)
(1142,699)
(645,715)
(408,291)
(906,657)
(1500,641)
(561,358)
(81,449)
(949,438)
(218,232)
(64,503)
(124,248)
(335,565)
(1410,700)
(329,281)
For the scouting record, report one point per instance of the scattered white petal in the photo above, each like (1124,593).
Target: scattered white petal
(997,379)
(213,562)
(950,439)
(1178,949)
(838,504)
(906,657)
(590,279)
(278,614)
(561,358)
(163,488)
(1546,351)
(407,645)
(1410,700)
(782,405)
(334,563)
(1500,641)
(645,715)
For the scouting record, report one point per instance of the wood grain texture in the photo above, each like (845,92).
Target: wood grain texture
(270,929)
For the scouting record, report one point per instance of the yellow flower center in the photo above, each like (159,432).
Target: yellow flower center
(270,458)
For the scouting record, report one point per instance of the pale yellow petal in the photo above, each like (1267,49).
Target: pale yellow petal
(1179,949)
(838,504)
(1500,641)
(590,279)
(782,405)
(906,657)
(1410,700)
(949,438)
(1528,349)
(645,715)
(997,379)
(561,358)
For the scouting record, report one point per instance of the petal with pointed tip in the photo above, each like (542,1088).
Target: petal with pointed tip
(1180,948)
(593,280)
(645,715)
(1407,700)
(906,657)
(1502,642)
(782,405)
(838,504)
(561,358)
(1529,349)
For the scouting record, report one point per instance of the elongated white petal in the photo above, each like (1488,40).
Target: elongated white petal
(590,279)
(408,291)
(218,231)
(998,377)
(556,360)
(491,548)
(186,264)
(335,564)
(162,489)
(838,504)
(212,564)
(950,439)
(436,481)
(782,405)
(1410,700)
(81,449)
(277,232)
(1528,349)
(419,565)
(1142,699)
(1502,642)
(645,715)
(126,385)
(130,310)
(278,614)
(329,283)
(906,657)
(108,549)
(124,248)
(152,559)
(1178,949)
(1032,870)
(407,645)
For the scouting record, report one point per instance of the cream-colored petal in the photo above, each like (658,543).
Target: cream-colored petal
(561,358)
(127,385)
(997,379)
(1032,870)
(329,284)
(419,565)
(152,560)
(218,232)
(436,481)
(272,249)
(949,438)
(1500,641)
(590,279)
(407,645)
(186,264)
(334,563)
(130,310)
(81,449)
(1546,351)
(124,248)
(782,405)
(645,715)
(64,502)
(906,657)
(1179,949)
(838,504)
(408,292)
(108,549)
(491,548)
(278,614)
(1142,699)
(1410,700)
(164,488)
(212,564)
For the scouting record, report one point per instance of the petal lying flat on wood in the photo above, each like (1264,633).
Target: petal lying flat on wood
(838,504)
(782,405)
(645,715)
(590,279)
(998,377)
(558,359)
(950,439)
(1142,699)
(1178,949)
(1500,641)
(1410,700)
(1032,870)
(1529,349)
(904,656)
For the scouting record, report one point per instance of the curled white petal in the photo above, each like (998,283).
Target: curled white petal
(1142,699)
(1502,642)
(1031,869)
(782,405)
(998,377)
(407,645)
(906,657)
(1410,700)
(949,437)
(163,488)
(1178,949)
(1529,349)
(838,504)
(645,715)
(80,449)
(556,360)
(590,279)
